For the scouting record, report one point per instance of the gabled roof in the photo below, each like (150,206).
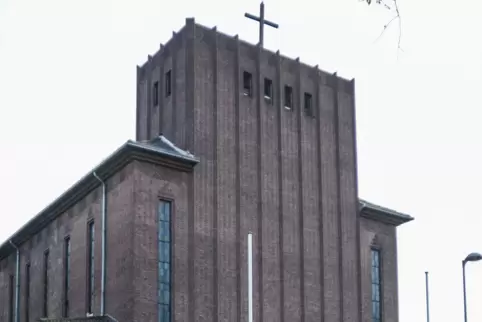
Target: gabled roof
(158,151)
(388,216)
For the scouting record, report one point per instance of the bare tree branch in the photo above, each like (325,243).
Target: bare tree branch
(399,24)
(396,17)
(386,27)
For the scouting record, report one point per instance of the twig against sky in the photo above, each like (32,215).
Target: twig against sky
(397,17)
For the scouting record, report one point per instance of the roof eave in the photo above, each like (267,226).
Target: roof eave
(182,159)
(383,215)
(128,152)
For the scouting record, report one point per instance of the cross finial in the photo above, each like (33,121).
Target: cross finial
(262,22)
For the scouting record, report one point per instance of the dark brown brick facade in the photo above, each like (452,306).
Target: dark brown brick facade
(382,236)
(73,223)
(263,169)
(288,177)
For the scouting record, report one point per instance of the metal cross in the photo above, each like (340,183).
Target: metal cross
(262,22)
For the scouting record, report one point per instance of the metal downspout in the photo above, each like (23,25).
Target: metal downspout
(17,283)
(104,230)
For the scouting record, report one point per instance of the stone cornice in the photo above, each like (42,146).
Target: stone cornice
(381,214)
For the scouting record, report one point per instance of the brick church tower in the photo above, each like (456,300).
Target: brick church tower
(276,140)
(231,139)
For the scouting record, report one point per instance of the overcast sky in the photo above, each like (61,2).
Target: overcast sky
(67,100)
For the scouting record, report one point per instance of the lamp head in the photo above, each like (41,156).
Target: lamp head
(473,257)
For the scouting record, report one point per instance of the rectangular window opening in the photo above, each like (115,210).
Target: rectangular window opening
(11,286)
(288,97)
(168,82)
(164,264)
(27,292)
(155,94)
(90,267)
(268,89)
(308,104)
(46,284)
(376,286)
(66,276)
(247,84)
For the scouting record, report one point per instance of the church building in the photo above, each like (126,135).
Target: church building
(231,139)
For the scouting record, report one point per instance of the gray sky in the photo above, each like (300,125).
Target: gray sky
(67,100)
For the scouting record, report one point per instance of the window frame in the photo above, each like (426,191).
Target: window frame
(11,297)
(155,94)
(45,308)
(288,97)
(247,81)
(378,250)
(308,104)
(168,83)
(66,278)
(90,269)
(170,203)
(268,94)
(27,291)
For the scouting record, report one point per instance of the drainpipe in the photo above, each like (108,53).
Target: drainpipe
(104,230)
(17,283)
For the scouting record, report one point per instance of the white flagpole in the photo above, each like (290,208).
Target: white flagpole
(250,277)
(426,296)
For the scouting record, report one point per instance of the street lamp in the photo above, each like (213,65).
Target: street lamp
(472,257)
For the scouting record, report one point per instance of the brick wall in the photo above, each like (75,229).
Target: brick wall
(73,223)
(384,237)
(152,183)
(266,170)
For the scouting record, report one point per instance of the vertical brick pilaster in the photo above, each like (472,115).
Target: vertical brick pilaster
(300,111)
(279,106)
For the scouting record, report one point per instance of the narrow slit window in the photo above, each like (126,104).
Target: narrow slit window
(168,82)
(11,286)
(27,292)
(155,94)
(247,84)
(90,267)
(376,286)
(66,276)
(46,284)
(308,104)
(288,97)
(268,89)
(164,261)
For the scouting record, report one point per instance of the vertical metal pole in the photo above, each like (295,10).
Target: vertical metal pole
(261,24)
(250,277)
(465,294)
(427,296)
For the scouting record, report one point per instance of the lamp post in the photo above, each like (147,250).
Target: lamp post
(472,257)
